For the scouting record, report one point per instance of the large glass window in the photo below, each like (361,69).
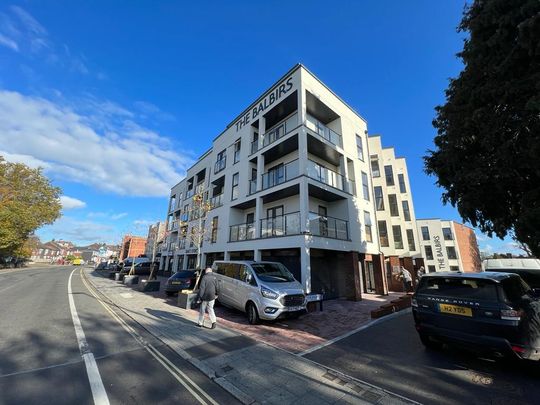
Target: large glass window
(389,174)
(367,224)
(429,252)
(221,161)
(401,181)
(447,234)
(398,238)
(375,170)
(213,238)
(237,147)
(451,252)
(235,180)
(392,201)
(272,272)
(425,233)
(383,234)
(406,211)
(359,147)
(365,186)
(410,239)
(379,198)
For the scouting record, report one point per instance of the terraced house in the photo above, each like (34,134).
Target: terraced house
(292,179)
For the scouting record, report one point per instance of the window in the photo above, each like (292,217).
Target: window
(398,239)
(359,148)
(235,178)
(447,234)
(454,268)
(172,203)
(365,186)
(451,252)
(213,238)
(425,233)
(375,170)
(392,201)
(379,199)
(237,146)
(383,234)
(221,161)
(406,211)
(429,253)
(389,174)
(431,269)
(367,223)
(401,181)
(410,239)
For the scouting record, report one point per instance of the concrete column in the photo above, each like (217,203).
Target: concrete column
(227,256)
(257,255)
(304,206)
(344,171)
(260,171)
(305,264)
(262,125)
(301,103)
(379,273)
(259,214)
(203,261)
(353,257)
(302,151)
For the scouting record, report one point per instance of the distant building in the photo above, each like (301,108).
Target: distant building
(132,246)
(448,246)
(156,234)
(52,251)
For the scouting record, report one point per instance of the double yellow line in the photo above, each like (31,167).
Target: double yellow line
(198,393)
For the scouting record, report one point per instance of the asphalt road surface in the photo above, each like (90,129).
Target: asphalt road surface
(390,355)
(41,353)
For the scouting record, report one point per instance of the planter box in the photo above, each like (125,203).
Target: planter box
(131,280)
(112,274)
(150,285)
(119,277)
(380,312)
(185,300)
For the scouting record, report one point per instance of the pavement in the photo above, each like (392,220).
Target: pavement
(251,370)
(41,358)
(390,355)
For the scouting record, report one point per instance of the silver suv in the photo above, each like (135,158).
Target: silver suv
(264,290)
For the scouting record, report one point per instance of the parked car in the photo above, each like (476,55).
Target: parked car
(264,290)
(77,262)
(527,268)
(181,280)
(493,313)
(140,269)
(101,266)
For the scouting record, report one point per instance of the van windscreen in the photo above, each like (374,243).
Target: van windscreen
(484,290)
(272,272)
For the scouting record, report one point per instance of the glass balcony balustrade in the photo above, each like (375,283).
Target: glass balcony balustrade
(328,227)
(281,225)
(241,232)
(323,131)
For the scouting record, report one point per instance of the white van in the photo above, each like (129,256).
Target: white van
(264,290)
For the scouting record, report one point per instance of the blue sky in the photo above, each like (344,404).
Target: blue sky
(116,99)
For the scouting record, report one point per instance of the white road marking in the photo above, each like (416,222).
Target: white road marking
(180,376)
(96,384)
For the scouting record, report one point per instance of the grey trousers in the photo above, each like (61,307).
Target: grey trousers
(207,306)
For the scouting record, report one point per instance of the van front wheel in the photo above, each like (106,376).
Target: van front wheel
(252,314)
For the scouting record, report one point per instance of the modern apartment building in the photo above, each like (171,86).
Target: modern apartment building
(448,246)
(132,246)
(394,211)
(288,180)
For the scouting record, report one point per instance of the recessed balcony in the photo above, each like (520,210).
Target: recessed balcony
(322,131)
(280,174)
(241,232)
(216,201)
(281,225)
(328,227)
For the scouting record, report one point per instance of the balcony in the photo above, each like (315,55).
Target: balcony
(323,131)
(328,227)
(282,225)
(254,146)
(241,232)
(220,165)
(252,186)
(189,194)
(325,175)
(200,188)
(216,201)
(279,130)
(280,174)
(182,244)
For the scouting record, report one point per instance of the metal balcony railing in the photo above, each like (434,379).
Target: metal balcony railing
(323,131)
(280,129)
(282,225)
(325,175)
(328,227)
(252,186)
(220,165)
(241,232)
(216,201)
(280,174)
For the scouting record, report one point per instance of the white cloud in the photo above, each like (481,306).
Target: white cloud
(112,154)
(79,232)
(70,203)
(8,42)
(28,160)
(28,21)
(119,216)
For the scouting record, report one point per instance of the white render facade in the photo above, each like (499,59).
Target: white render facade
(287,181)
(448,246)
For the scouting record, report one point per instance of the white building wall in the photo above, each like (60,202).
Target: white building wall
(439,245)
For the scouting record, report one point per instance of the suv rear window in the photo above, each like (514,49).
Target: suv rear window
(484,290)
(515,289)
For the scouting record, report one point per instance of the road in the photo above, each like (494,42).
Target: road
(390,355)
(41,353)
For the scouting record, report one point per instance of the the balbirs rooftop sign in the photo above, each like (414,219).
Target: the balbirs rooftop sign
(275,95)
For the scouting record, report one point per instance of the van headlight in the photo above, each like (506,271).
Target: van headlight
(267,293)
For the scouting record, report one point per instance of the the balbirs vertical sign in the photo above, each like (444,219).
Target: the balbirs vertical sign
(275,95)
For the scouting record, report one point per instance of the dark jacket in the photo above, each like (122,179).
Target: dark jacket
(208,290)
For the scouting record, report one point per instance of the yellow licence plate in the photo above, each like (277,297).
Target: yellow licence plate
(455,310)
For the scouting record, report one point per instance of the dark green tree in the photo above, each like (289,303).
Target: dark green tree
(487,155)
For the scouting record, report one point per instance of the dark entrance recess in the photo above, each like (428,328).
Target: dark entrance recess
(211,257)
(290,258)
(332,273)
(242,255)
